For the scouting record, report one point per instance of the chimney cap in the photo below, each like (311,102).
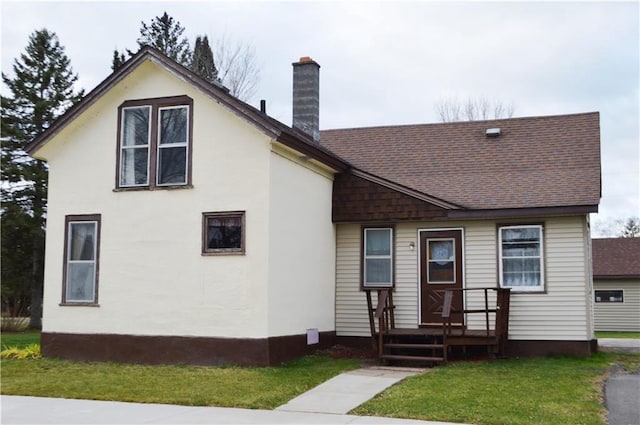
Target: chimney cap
(306,60)
(493,132)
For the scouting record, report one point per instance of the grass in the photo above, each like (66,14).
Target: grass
(558,390)
(19,339)
(617,334)
(517,391)
(256,388)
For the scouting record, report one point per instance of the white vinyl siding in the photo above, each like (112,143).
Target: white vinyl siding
(624,316)
(562,312)
(351,303)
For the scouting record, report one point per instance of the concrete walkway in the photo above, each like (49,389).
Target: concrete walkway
(37,410)
(345,392)
(628,345)
(327,403)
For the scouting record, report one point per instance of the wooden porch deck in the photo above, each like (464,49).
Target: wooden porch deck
(433,343)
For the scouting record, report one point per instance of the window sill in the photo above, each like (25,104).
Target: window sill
(148,188)
(79,304)
(516,290)
(217,253)
(374,287)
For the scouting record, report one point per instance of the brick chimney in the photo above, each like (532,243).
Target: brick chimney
(306,97)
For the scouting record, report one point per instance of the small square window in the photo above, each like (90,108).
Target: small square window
(223,232)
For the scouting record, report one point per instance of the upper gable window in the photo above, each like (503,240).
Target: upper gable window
(154,144)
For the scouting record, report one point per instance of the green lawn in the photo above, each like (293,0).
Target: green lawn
(516,391)
(256,388)
(557,390)
(617,334)
(19,339)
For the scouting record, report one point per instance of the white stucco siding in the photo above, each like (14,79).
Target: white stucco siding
(153,279)
(614,316)
(561,313)
(301,282)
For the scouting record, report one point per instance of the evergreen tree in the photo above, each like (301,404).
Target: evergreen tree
(202,63)
(41,90)
(165,34)
(118,60)
(631,229)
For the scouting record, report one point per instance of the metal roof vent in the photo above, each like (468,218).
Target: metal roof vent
(493,132)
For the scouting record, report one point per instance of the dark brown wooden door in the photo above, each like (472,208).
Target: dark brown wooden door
(440,269)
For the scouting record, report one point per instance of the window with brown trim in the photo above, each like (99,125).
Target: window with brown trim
(223,233)
(81,259)
(154,143)
(521,257)
(377,257)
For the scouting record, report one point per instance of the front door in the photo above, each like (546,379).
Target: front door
(440,268)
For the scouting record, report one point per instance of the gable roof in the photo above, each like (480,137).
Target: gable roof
(616,258)
(538,165)
(537,162)
(293,138)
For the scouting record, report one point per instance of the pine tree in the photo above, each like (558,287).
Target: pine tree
(165,34)
(631,229)
(41,90)
(202,63)
(118,60)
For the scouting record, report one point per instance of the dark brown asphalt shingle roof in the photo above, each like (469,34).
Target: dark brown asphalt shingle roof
(549,161)
(616,257)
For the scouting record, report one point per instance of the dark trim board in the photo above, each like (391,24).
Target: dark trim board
(205,351)
(515,348)
(538,348)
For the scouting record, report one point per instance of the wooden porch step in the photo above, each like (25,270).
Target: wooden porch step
(421,346)
(412,358)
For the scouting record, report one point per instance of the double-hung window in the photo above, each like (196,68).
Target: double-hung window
(155,143)
(377,257)
(521,258)
(81,254)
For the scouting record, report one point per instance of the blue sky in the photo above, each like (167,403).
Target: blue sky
(385,63)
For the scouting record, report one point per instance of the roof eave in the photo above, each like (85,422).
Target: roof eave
(523,212)
(616,276)
(312,151)
(148,53)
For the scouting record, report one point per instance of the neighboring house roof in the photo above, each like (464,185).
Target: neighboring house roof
(293,138)
(549,161)
(616,258)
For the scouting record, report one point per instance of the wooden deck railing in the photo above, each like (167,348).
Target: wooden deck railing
(496,336)
(501,311)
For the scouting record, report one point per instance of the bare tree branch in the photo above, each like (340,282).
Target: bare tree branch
(473,109)
(237,67)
